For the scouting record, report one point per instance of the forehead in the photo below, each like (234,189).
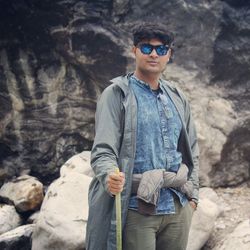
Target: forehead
(153,41)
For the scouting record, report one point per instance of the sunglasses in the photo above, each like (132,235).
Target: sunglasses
(147,49)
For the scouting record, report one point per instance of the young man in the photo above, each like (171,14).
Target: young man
(144,127)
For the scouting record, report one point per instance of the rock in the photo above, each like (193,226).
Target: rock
(59,81)
(212,134)
(208,105)
(25,192)
(202,224)
(120,9)
(232,72)
(9,218)
(221,111)
(64,210)
(79,163)
(234,157)
(33,218)
(209,193)
(238,239)
(230,200)
(17,239)
(52,73)
(3,175)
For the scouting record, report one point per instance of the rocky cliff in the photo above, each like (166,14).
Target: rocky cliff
(57,56)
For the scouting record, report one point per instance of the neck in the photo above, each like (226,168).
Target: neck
(151,79)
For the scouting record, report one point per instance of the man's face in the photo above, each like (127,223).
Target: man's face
(150,63)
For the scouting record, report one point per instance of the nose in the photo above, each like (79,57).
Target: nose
(153,53)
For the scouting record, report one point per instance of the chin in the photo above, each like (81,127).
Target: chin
(153,70)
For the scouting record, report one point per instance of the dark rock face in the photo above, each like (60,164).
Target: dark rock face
(232,45)
(234,167)
(56,57)
(23,243)
(54,63)
(17,239)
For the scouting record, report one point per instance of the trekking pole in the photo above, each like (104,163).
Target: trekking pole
(118,218)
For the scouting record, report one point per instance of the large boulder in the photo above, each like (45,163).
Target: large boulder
(62,220)
(234,166)
(203,220)
(9,218)
(25,192)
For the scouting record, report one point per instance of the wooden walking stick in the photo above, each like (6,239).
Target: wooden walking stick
(118,218)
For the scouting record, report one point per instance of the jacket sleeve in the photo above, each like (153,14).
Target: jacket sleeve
(193,142)
(108,133)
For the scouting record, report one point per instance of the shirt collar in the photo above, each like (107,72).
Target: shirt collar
(146,84)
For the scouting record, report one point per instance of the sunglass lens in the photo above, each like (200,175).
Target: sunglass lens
(161,50)
(146,49)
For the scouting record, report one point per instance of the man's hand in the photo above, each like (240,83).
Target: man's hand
(193,204)
(115,182)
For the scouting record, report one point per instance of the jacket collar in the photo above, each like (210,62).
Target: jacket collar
(123,83)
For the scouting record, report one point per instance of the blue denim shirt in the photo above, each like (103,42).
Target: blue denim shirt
(158,131)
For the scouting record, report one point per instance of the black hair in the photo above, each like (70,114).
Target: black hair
(147,31)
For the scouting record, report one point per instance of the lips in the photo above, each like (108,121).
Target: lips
(152,62)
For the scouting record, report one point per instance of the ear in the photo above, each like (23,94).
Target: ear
(169,53)
(133,50)
(171,57)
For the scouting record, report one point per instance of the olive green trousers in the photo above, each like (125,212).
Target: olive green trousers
(158,232)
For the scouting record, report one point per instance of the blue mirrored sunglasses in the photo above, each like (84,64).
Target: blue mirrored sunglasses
(147,49)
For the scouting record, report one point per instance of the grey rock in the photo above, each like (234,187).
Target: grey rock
(210,194)
(238,239)
(17,239)
(51,76)
(234,206)
(9,218)
(79,163)
(234,166)
(202,224)
(226,45)
(53,71)
(214,117)
(33,218)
